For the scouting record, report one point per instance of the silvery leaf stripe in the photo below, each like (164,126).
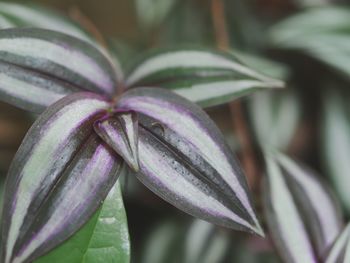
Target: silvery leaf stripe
(24,15)
(120,132)
(303,216)
(59,64)
(59,177)
(190,72)
(184,159)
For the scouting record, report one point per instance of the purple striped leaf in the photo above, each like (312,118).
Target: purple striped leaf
(39,66)
(59,177)
(185,160)
(303,217)
(121,133)
(340,252)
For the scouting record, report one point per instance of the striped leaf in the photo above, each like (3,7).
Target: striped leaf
(120,132)
(303,218)
(275,118)
(202,76)
(60,157)
(185,160)
(321,33)
(340,252)
(32,15)
(39,66)
(336,144)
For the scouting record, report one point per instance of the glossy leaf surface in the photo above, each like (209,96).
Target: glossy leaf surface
(185,160)
(202,76)
(40,66)
(104,238)
(60,157)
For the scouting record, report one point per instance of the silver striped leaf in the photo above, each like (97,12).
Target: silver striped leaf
(33,15)
(186,161)
(205,77)
(59,177)
(340,252)
(121,133)
(40,66)
(319,32)
(303,216)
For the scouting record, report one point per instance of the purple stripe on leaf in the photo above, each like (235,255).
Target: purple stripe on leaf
(184,159)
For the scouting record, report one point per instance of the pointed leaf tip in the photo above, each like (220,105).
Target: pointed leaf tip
(120,132)
(185,160)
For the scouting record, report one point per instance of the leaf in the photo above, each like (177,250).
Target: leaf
(185,160)
(121,133)
(302,215)
(320,32)
(204,244)
(340,251)
(152,12)
(336,144)
(202,76)
(275,118)
(33,15)
(104,238)
(59,157)
(38,67)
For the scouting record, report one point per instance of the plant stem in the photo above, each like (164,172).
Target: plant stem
(236,109)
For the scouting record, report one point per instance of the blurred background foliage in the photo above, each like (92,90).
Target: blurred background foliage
(304,42)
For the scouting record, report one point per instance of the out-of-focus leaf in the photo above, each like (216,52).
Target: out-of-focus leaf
(104,238)
(261,64)
(60,157)
(121,133)
(321,32)
(185,160)
(152,12)
(202,76)
(303,217)
(312,3)
(32,15)
(336,144)
(340,252)
(274,117)
(39,66)
(204,245)
(163,244)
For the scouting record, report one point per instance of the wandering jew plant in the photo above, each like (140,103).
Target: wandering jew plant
(94,124)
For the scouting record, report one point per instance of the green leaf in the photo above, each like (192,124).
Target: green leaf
(322,33)
(104,239)
(275,118)
(24,15)
(336,144)
(203,76)
(152,12)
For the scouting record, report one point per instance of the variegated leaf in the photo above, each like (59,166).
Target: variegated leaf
(340,252)
(303,217)
(25,15)
(39,66)
(60,157)
(185,160)
(121,133)
(319,32)
(202,76)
